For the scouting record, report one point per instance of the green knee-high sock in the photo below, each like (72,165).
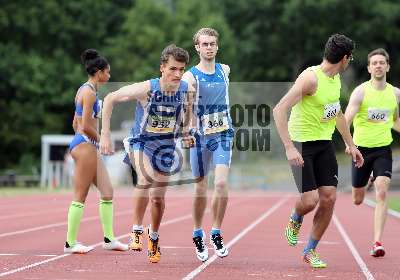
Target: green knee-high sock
(106,217)
(75,213)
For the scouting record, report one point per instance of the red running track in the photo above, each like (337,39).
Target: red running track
(33,229)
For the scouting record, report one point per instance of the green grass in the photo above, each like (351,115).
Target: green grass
(394,203)
(17,191)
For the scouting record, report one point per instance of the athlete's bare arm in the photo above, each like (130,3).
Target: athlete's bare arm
(188,77)
(396,120)
(137,91)
(351,149)
(87,125)
(306,84)
(355,101)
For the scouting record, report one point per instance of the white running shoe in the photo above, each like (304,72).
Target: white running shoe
(78,248)
(115,245)
(201,247)
(219,247)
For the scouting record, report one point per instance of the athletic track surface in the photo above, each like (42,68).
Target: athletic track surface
(33,229)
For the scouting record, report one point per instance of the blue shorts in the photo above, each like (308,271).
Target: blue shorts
(163,154)
(81,138)
(210,151)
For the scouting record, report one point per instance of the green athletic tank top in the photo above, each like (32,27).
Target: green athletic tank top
(374,120)
(314,117)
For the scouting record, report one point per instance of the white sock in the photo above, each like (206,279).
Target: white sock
(137,228)
(153,234)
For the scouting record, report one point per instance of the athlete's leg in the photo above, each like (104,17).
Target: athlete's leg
(157,198)
(360,177)
(306,202)
(199,201)
(382,184)
(85,157)
(200,159)
(323,215)
(220,196)
(106,208)
(144,171)
(358,194)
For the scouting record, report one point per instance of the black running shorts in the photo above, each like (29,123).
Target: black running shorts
(320,165)
(377,160)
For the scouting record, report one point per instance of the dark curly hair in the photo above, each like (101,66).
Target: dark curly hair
(337,47)
(93,61)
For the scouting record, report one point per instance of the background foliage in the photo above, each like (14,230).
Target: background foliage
(262,40)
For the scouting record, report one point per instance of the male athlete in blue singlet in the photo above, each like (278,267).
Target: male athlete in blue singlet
(214,136)
(159,117)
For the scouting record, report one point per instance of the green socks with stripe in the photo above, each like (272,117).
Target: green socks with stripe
(106,218)
(75,213)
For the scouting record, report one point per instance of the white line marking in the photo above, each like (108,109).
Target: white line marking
(97,244)
(199,269)
(32,214)
(65,223)
(5,254)
(372,204)
(172,221)
(59,224)
(354,252)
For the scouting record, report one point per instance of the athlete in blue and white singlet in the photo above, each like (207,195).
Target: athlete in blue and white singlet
(214,136)
(214,123)
(159,116)
(156,125)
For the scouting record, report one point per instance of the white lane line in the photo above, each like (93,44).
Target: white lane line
(13,233)
(10,254)
(199,269)
(353,250)
(65,223)
(372,204)
(33,214)
(172,221)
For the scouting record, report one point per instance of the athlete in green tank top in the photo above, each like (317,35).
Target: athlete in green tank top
(315,111)
(373,106)
(314,117)
(374,119)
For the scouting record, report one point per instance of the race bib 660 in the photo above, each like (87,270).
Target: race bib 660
(377,115)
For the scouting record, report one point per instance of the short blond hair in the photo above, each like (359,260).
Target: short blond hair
(205,31)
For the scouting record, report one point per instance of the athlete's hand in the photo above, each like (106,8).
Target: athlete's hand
(294,157)
(106,147)
(356,155)
(188,142)
(347,151)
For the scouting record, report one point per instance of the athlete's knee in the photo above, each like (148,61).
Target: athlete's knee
(221,185)
(328,200)
(157,201)
(381,195)
(309,200)
(357,200)
(310,203)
